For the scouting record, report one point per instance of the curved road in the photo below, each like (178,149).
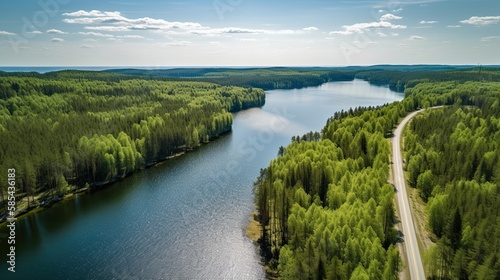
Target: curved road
(410,239)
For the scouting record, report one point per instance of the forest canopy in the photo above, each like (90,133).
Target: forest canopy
(326,209)
(453,158)
(94,129)
(325,206)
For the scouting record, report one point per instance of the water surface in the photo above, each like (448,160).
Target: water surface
(185,218)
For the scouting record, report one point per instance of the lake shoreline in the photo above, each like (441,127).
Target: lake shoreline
(24,212)
(196,205)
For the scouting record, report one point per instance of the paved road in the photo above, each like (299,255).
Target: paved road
(410,239)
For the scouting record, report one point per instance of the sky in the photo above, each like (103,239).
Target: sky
(248,32)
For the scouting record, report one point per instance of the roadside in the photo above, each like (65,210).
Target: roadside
(425,238)
(404,274)
(412,237)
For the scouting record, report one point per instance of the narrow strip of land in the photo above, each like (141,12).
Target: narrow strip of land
(410,239)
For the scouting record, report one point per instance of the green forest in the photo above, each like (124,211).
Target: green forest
(453,158)
(74,129)
(326,208)
(325,205)
(397,77)
(264,78)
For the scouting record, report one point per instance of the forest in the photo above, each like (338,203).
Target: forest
(453,158)
(62,133)
(325,205)
(264,78)
(401,78)
(397,77)
(326,208)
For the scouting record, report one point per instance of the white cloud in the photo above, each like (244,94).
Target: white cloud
(97,34)
(86,46)
(312,28)
(381,11)
(382,35)
(417,38)
(237,30)
(360,44)
(6,33)
(228,30)
(35,32)
(132,36)
(428,22)
(93,13)
(394,34)
(114,21)
(388,17)
(57,40)
(362,27)
(490,38)
(482,20)
(176,44)
(107,28)
(248,40)
(454,26)
(90,40)
(398,10)
(56,31)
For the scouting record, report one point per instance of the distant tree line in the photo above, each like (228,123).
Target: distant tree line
(399,80)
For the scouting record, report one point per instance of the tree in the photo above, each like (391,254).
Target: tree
(425,184)
(455,230)
(393,264)
(437,214)
(359,274)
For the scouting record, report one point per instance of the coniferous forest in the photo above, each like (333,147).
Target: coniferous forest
(72,130)
(325,205)
(454,162)
(326,208)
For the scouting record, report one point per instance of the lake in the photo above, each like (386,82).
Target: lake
(184,218)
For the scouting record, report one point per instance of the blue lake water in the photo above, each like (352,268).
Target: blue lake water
(185,218)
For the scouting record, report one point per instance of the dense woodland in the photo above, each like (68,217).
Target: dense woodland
(327,210)
(325,205)
(399,79)
(453,158)
(61,131)
(264,78)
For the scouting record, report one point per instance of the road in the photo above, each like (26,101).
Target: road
(410,239)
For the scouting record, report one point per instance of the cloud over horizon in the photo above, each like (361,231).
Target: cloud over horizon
(257,33)
(488,20)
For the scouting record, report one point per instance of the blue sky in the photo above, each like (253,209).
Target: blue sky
(248,32)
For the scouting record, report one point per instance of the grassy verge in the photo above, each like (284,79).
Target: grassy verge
(253,230)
